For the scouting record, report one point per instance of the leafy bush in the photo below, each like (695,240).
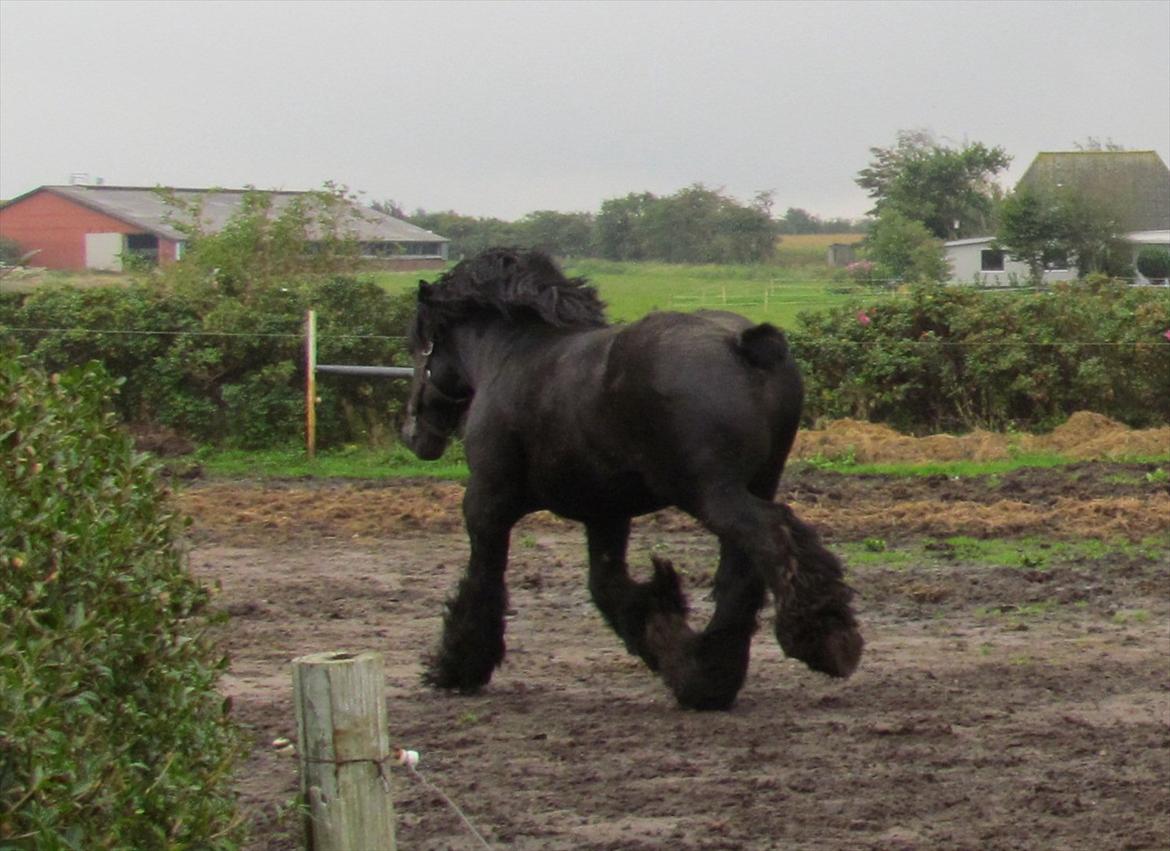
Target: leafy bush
(117,326)
(112,734)
(1154,263)
(229,369)
(944,358)
(11,254)
(263,246)
(905,249)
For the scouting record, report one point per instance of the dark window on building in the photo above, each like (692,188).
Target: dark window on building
(422,249)
(400,249)
(143,246)
(991,260)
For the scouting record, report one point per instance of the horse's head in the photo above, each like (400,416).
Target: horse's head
(439,393)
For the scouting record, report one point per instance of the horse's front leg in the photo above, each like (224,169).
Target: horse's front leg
(473,627)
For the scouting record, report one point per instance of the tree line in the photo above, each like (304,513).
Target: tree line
(696,224)
(924,190)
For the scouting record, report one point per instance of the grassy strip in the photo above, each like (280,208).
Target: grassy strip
(1026,553)
(347,463)
(960,469)
(398,463)
(950,469)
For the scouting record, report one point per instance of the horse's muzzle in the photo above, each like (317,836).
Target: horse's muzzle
(428,444)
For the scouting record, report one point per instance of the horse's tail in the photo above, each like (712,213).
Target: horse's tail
(763,346)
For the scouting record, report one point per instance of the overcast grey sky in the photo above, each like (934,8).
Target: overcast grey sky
(499,109)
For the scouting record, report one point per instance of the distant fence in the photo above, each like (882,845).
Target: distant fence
(770,295)
(312,368)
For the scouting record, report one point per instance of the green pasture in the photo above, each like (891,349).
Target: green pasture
(631,290)
(797,280)
(761,293)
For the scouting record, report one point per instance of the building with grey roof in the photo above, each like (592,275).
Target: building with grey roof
(94,227)
(1134,186)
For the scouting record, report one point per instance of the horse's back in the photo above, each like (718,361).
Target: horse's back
(712,389)
(711,355)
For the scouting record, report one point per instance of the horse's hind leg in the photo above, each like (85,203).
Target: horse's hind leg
(814,620)
(626,604)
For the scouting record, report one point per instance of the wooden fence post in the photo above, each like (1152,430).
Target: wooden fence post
(344,751)
(311,383)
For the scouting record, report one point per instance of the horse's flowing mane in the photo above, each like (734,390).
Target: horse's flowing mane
(513,283)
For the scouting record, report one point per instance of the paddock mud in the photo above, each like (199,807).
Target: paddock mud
(1019,702)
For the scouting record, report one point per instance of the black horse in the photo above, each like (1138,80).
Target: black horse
(601,423)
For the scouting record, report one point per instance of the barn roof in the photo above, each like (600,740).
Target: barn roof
(1134,183)
(148,209)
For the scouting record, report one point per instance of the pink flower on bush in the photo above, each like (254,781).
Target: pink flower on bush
(1167,334)
(860,270)
(863,318)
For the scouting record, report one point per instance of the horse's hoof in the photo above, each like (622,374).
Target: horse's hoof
(834,650)
(703,672)
(439,676)
(841,652)
(704,700)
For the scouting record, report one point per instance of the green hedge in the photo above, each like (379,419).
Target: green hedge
(940,358)
(112,734)
(228,371)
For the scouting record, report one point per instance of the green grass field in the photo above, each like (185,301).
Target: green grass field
(798,280)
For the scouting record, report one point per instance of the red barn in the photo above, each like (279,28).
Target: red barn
(75,227)
(94,227)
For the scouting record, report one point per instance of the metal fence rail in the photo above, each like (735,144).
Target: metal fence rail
(312,368)
(381,371)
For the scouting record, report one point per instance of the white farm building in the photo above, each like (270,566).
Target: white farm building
(1135,183)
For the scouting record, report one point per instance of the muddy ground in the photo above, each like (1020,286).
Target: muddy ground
(1019,704)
